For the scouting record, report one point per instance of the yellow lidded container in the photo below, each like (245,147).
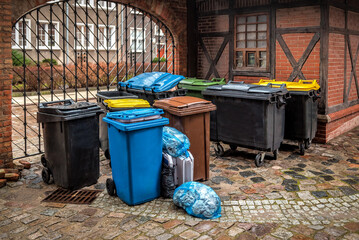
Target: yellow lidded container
(301,85)
(126,103)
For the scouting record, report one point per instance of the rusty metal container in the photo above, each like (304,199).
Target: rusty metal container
(191,116)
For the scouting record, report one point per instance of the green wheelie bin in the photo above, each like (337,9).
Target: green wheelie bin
(196,86)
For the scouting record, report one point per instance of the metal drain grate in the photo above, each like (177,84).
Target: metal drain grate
(74,197)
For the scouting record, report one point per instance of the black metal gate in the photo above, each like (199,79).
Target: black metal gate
(70,49)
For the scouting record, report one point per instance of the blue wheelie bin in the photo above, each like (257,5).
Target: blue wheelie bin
(135,139)
(152,86)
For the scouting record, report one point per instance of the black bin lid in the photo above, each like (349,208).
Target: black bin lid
(242,90)
(68,107)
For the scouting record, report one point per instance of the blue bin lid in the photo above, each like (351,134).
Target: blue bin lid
(153,81)
(134,113)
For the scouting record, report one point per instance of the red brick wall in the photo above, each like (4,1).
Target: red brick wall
(5,83)
(298,17)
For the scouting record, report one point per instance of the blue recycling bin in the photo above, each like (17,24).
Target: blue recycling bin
(135,141)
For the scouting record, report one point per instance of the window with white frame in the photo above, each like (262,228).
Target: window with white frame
(85,36)
(83,2)
(48,35)
(137,40)
(18,34)
(103,4)
(102,37)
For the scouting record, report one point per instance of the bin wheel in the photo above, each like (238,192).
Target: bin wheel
(233,147)
(110,187)
(302,148)
(307,143)
(107,154)
(275,154)
(259,160)
(43,160)
(47,176)
(218,149)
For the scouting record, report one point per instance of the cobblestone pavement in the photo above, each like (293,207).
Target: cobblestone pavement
(295,197)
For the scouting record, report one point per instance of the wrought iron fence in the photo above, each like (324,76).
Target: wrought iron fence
(70,49)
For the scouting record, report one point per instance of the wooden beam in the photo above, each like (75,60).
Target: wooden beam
(298,30)
(343,6)
(206,54)
(215,61)
(252,74)
(192,39)
(345,98)
(231,40)
(272,38)
(290,58)
(353,62)
(343,31)
(324,54)
(342,106)
(298,67)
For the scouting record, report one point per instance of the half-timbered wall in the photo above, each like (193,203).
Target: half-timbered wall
(315,39)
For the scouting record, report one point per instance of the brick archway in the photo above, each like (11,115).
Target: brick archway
(172,13)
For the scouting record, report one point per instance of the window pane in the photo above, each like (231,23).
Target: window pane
(262,18)
(263,55)
(241,19)
(262,35)
(251,19)
(239,59)
(262,63)
(241,28)
(251,61)
(240,44)
(262,27)
(251,36)
(262,44)
(51,37)
(240,36)
(251,27)
(251,44)
(41,33)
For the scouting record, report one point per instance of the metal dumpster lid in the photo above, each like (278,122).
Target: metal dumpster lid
(134,113)
(248,88)
(301,85)
(202,82)
(184,105)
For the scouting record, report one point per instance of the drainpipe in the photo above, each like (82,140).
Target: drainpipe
(67,33)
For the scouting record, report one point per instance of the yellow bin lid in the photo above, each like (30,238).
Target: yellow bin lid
(127,103)
(301,85)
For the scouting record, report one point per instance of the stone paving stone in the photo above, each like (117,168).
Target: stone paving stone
(257,179)
(49,212)
(291,188)
(191,223)
(234,231)
(204,237)
(316,173)
(179,230)
(219,179)
(305,195)
(327,177)
(247,174)
(335,231)
(327,171)
(204,226)
(189,234)
(246,236)
(78,218)
(35,235)
(51,236)
(351,236)
(289,182)
(302,229)
(172,224)
(273,195)
(319,194)
(282,233)
(164,236)
(348,190)
(29,219)
(155,232)
(262,229)
(350,181)
(352,226)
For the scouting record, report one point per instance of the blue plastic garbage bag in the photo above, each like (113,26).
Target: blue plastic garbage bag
(198,200)
(175,143)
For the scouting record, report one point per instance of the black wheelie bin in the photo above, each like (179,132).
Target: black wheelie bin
(71,143)
(301,110)
(248,116)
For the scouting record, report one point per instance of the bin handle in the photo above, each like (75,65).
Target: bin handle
(308,81)
(266,80)
(65,102)
(236,82)
(281,86)
(281,101)
(219,80)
